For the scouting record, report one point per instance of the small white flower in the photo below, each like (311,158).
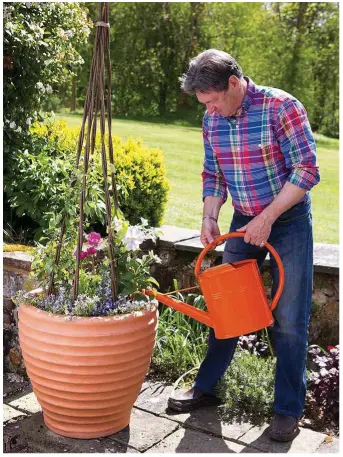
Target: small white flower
(13,125)
(40,86)
(18,129)
(48,89)
(29,121)
(10,26)
(68,33)
(7,121)
(144,222)
(118,224)
(133,238)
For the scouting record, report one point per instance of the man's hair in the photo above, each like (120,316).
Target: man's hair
(210,70)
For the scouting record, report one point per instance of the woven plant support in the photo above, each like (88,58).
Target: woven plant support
(99,87)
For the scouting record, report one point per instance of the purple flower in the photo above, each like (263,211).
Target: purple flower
(83,254)
(93,238)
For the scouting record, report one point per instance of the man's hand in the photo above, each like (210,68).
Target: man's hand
(258,230)
(209,231)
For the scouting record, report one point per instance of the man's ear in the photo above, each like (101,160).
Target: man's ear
(233,82)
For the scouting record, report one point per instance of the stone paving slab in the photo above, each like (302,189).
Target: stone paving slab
(192,441)
(307,441)
(10,413)
(145,430)
(27,403)
(329,446)
(209,420)
(154,398)
(32,435)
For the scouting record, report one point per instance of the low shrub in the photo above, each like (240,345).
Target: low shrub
(39,183)
(247,387)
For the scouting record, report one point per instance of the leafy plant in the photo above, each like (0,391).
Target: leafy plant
(247,387)
(39,184)
(323,386)
(94,292)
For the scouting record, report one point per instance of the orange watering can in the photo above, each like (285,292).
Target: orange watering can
(234,294)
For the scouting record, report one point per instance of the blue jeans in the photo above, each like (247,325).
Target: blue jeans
(291,236)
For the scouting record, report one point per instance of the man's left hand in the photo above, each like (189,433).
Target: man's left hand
(257,231)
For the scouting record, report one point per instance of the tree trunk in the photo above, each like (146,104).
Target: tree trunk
(73,94)
(293,68)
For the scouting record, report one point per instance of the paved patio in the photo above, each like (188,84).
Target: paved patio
(153,429)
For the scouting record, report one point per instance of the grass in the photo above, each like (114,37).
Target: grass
(183,155)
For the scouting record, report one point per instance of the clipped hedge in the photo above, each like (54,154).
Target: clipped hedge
(38,184)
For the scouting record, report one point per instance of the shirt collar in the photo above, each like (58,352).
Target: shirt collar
(249,96)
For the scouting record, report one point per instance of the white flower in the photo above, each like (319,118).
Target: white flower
(133,238)
(18,129)
(68,33)
(144,221)
(29,120)
(40,86)
(118,224)
(62,34)
(7,121)
(10,26)
(13,125)
(48,89)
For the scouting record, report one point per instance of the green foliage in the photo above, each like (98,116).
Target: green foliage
(39,39)
(39,184)
(181,341)
(142,179)
(95,297)
(292,46)
(248,385)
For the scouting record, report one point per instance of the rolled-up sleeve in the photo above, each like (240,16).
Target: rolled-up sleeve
(294,134)
(214,184)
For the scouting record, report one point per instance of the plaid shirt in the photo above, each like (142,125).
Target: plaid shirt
(254,154)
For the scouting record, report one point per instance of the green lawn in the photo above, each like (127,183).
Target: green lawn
(183,154)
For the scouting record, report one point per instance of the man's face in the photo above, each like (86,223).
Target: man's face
(226,102)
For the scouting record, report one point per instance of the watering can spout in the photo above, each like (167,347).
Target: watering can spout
(188,310)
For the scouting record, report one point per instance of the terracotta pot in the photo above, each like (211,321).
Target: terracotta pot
(87,372)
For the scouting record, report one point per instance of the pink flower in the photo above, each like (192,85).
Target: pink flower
(91,250)
(83,254)
(93,238)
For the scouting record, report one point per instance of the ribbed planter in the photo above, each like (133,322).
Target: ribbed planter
(86,373)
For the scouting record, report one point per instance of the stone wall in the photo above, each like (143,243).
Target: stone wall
(178,249)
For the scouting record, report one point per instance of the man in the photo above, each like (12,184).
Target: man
(258,145)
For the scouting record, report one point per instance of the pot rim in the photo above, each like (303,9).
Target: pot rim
(33,310)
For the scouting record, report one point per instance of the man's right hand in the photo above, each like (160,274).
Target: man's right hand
(209,231)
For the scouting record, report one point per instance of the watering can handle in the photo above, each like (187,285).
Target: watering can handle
(241,235)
